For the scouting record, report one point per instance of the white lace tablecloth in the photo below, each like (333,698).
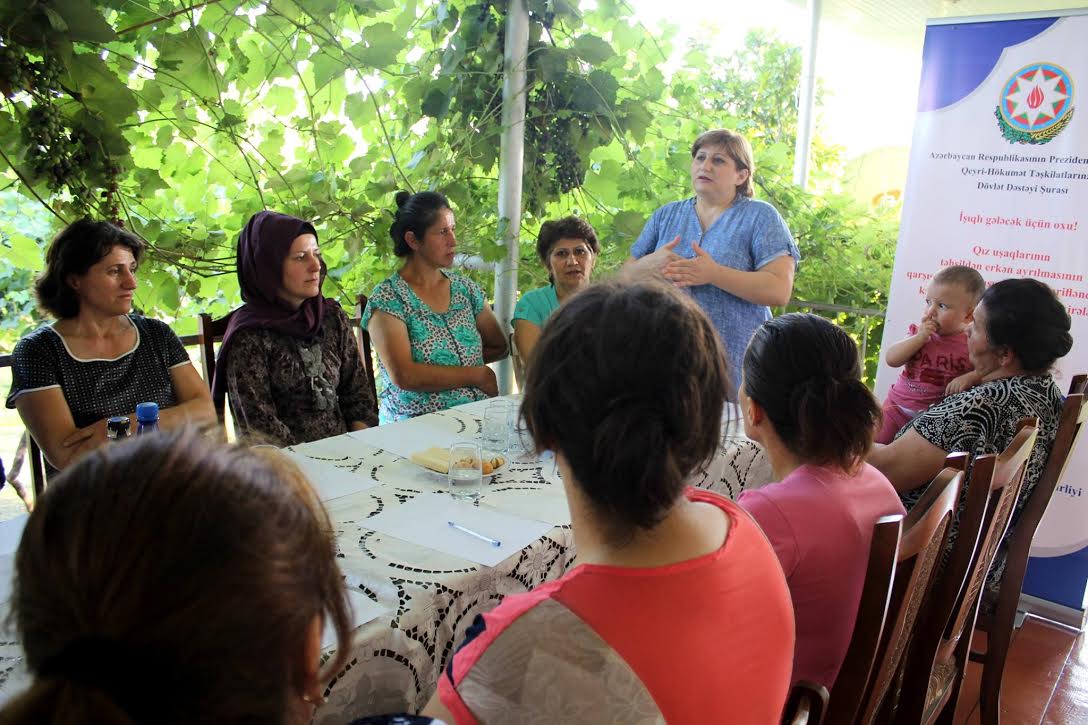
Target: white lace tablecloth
(431,598)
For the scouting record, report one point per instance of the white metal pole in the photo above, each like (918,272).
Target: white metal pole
(511,162)
(806,99)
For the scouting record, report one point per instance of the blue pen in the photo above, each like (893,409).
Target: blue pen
(494,542)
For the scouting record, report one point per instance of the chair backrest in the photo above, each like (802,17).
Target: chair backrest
(211,332)
(992,518)
(950,611)
(37,465)
(853,677)
(519,362)
(925,532)
(806,704)
(366,348)
(1074,413)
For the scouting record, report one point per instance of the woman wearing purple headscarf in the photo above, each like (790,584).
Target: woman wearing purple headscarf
(289,359)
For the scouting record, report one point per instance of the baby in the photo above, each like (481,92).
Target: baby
(934,358)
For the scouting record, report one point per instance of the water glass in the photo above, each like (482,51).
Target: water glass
(495,426)
(466,476)
(519,440)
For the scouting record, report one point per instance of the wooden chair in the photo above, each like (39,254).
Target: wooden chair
(853,677)
(925,533)
(934,669)
(366,349)
(518,362)
(37,460)
(806,704)
(211,332)
(999,623)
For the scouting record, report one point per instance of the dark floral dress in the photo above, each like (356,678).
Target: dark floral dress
(289,391)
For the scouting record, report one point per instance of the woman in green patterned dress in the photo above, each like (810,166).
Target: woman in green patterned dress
(433,330)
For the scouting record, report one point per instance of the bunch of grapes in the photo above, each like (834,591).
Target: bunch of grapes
(16,70)
(550,140)
(59,149)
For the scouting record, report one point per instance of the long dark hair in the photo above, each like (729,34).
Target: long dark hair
(805,372)
(170,579)
(629,383)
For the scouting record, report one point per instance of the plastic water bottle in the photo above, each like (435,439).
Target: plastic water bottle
(147,418)
(117,428)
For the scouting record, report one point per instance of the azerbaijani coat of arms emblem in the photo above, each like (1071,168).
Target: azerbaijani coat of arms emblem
(1036,104)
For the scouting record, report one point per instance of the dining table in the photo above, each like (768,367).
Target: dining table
(413,597)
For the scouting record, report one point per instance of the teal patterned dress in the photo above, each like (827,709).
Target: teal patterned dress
(437,338)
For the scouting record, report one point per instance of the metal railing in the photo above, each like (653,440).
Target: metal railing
(866,313)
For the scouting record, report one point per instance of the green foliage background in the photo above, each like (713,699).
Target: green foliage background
(324,108)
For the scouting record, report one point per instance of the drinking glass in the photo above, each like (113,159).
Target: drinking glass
(466,476)
(494,427)
(519,441)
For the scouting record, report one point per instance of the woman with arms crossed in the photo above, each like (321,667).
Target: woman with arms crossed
(98,360)
(433,330)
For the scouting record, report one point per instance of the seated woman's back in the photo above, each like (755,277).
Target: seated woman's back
(803,399)
(704,639)
(678,610)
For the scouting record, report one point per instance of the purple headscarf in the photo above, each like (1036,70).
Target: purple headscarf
(262,247)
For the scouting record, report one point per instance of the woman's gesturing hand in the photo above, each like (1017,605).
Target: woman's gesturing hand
(691,272)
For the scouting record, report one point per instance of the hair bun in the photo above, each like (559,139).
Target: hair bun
(402,198)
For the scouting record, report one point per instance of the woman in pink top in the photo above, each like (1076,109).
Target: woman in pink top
(803,399)
(678,610)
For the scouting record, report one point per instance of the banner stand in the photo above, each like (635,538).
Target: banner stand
(1046,609)
(998,181)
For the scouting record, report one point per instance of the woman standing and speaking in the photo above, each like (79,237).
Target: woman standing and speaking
(733,253)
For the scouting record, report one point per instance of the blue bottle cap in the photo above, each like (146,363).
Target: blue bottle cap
(147,412)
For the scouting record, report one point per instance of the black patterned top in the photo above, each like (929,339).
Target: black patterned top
(292,391)
(98,388)
(983,420)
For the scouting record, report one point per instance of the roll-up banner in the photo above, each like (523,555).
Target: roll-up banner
(998,180)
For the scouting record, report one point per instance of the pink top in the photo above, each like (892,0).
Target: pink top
(820,522)
(925,376)
(706,640)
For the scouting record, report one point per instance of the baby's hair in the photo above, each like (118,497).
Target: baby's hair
(965,277)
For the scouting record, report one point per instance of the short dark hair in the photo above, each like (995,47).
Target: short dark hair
(172,579)
(569,227)
(962,276)
(805,373)
(415,213)
(80,246)
(628,381)
(1026,316)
